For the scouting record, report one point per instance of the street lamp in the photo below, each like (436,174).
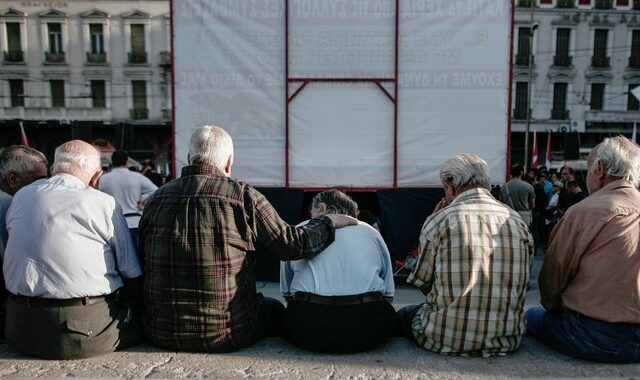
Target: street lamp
(532,29)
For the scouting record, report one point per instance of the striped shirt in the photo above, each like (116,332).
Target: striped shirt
(474,269)
(200,235)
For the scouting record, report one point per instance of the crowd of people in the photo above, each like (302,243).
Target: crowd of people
(94,263)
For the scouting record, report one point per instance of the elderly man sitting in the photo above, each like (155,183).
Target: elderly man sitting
(473,268)
(340,301)
(68,256)
(589,282)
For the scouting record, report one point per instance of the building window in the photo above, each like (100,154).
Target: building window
(565,4)
(524,50)
(599,58)
(634,59)
(55,53)
(139,91)
(57,93)
(622,3)
(16,88)
(138,52)
(562,58)
(597,96)
(14,51)
(636,5)
(98,94)
(604,4)
(522,93)
(584,2)
(97,38)
(632,102)
(559,111)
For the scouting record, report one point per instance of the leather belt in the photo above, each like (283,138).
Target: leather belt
(355,299)
(61,302)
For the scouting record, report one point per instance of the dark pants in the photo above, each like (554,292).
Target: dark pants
(270,319)
(405,317)
(339,328)
(45,330)
(585,338)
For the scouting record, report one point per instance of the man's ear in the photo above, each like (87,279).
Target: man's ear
(93,182)
(227,167)
(602,172)
(11,180)
(322,208)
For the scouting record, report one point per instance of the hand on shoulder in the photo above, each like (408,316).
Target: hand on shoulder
(340,220)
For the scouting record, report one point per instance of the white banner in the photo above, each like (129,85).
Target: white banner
(453,71)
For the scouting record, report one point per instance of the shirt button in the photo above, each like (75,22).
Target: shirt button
(90,332)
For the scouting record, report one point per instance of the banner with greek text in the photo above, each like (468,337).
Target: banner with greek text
(452,96)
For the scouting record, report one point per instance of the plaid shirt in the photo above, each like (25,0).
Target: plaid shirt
(199,235)
(474,269)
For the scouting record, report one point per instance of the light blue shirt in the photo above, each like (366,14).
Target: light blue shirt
(356,262)
(66,240)
(5,202)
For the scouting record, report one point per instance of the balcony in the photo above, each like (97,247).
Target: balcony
(600,62)
(97,58)
(54,57)
(634,61)
(165,58)
(604,4)
(139,113)
(566,4)
(559,114)
(562,60)
(520,114)
(138,57)
(525,3)
(523,60)
(14,56)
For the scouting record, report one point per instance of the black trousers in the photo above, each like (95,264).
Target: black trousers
(339,328)
(71,332)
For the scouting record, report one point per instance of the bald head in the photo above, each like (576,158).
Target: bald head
(79,159)
(613,159)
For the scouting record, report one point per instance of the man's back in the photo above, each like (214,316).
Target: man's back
(128,188)
(356,262)
(62,241)
(594,254)
(477,260)
(517,194)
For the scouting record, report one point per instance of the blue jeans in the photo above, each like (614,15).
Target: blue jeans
(585,338)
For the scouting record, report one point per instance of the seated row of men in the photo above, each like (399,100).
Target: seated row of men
(76,284)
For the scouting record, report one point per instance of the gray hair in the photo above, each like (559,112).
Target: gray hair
(210,145)
(77,158)
(466,170)
(336,201)
(619,161)
(20,160)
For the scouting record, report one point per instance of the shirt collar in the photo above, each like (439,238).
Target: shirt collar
(616,185)
(202,169)
(476,192)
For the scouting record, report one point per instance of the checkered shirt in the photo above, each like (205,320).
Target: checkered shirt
(474,269)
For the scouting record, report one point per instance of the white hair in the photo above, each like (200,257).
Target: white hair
(466,170)
(77,158)
(619,162)
(210,145)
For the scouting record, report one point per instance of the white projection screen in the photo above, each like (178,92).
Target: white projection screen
(348,126)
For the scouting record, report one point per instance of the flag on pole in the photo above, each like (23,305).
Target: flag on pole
(23,136)
(547,160)
(534,152)
(633,134)
(636,92)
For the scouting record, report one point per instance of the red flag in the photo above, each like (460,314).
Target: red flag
(548,156)
(23,136)
(534,152)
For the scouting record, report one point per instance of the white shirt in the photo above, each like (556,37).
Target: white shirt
(356,262)
(128,188)
(5,202)
(66,240)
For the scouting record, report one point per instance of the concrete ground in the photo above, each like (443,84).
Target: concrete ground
(273,358)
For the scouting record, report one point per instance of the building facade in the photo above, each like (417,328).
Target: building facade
(585,59)
(94,70)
